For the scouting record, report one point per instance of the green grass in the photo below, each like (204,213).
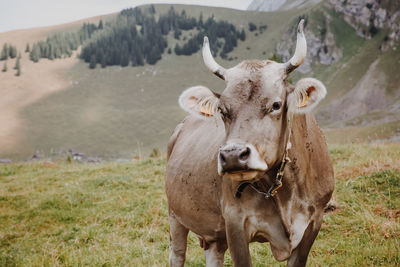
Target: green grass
(115,214)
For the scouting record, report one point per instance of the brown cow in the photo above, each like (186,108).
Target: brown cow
(250,164)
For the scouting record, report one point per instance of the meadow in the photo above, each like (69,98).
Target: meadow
(115,214)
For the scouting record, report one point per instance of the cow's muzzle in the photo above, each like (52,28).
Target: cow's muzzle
(235,159)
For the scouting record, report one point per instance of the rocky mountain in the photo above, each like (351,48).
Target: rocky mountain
(322,46)
(368,16)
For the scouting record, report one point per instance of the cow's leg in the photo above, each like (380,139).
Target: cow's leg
(238,245)
(178,235)
(300,254)
(215,254)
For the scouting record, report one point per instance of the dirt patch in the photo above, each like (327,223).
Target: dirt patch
(36,81)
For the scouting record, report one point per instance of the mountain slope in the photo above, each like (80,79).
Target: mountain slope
(120,112)
(274,5)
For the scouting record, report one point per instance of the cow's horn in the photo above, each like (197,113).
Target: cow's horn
(301,50)
(213,66)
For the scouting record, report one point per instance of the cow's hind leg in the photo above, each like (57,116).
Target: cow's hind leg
(300,254)
(215,253)
(178,235)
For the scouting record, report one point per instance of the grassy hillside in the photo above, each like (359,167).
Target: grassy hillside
(115,214)
(121,112)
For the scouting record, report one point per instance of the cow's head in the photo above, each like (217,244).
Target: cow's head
(254,108)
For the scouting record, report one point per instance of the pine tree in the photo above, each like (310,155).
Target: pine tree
(4,52)
(17,63)
(13,51)
(92,64)
(252,26)
(154,55)
(152,9)
(178,50)
(35,53)
(242,35)
(201,24)
(139,59)
(18,67)
(103,62)
(27,49)
(124,54)
(5,66)
(177,34)
(100,26)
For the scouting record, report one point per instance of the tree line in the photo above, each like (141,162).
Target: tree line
(133,38)
(62,44)
(216,31)
(137,37)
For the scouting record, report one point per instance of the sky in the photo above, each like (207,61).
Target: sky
(21,14)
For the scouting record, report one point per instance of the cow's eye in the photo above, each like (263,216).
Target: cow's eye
(276,105)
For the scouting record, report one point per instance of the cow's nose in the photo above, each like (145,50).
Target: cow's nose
(234,158)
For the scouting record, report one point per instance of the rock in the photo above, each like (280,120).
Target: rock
(323,51)
(329,53)
(35,157)
(94,160)
(77,156)
(5,161)
(380,18)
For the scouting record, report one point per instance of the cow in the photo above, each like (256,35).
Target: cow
(249,164)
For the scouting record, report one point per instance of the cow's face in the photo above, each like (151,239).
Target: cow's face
(254,108)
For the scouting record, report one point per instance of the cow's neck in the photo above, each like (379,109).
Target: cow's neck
(293,200)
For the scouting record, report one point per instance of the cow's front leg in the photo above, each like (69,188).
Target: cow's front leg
(238,244)
(300,253)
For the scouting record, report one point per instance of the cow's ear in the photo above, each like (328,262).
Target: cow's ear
(306,95)
(199,101)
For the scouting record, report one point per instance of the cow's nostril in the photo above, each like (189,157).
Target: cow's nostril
(244,155)
(222,158)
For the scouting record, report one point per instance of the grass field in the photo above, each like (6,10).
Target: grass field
(115,214)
